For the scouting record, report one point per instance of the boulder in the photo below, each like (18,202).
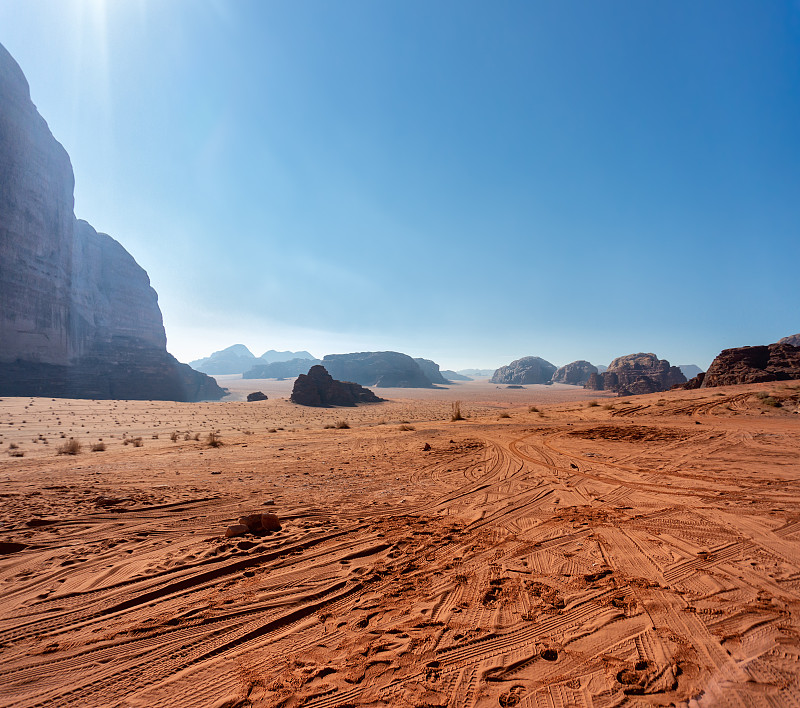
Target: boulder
(318,388)
(528,370)
(236,530)
(386,369)
(270,522)
(635,374)
(280,369)
(576,373)
(257,396)
(759,364)
(79,318)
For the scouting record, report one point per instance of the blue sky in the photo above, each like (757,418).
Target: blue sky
(467,181)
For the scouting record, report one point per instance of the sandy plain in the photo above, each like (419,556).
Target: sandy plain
(583,551)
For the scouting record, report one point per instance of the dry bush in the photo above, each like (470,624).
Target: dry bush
(174,437)
(71,447)
(214,440)
(98,447)
(504,415)
(456,411)
(533,409)
(592,404)
(12,446)
(137,442)
(342,424)
(406,427)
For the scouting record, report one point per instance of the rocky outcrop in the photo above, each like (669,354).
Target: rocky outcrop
(576,373)
(760,364)
(384,369)
(319,388)
(78,315)
(528,370)
(234,360)
(257,396)
(280,369)
(636,374)
(431,371)
(793,339)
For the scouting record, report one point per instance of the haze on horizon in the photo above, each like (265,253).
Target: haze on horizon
(468,182)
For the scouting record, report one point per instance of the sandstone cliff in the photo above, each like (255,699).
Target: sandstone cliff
(319,388)
(431,371)
(635,374)
(793,339)
(576,373)
(528,370)
(78,316)
(760,364)
(386,369)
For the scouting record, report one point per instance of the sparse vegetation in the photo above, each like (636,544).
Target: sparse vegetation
(768,399)
(214,439)
(533,409)
(456,411)
(592,404)
(504,414)
(71,447)
(174,437)
(342,424)
(137,442)
(406,427)
(98,447)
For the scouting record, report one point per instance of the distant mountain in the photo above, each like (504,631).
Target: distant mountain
(577,373)
(271,356)
(601,368)
(793,339)
(238,359)
(455,376)
(477,373)
(233,360)
(280,369)
(690,370)
(388,369)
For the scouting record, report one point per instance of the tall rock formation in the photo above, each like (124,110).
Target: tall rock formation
(742,365)
(319,388)
(386,369)
(576,373)
(431,371)
(78,315)
(635,374)
(528,370)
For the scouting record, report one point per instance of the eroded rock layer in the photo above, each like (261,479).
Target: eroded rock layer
(527,370)
(760,364)
(635,374)
(78,315)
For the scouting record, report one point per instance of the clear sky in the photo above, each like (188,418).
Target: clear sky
(466,181)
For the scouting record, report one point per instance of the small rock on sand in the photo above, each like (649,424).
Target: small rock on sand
(236,530)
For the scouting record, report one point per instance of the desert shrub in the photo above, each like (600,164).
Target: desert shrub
(456,411)
(504,415)
(12,446)
(771,401)
(328,426)
(174,437)
(592,404)
(533,409)
(196,436)
(405,427)
(214,440)
(98,447)
(342,424)
(71,447)
(137,442)
(16,453)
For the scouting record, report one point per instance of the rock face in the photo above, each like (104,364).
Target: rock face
(280,369)
(577,373)
(431,371)
(319,388)
(773,362)
(793,339)
(636,374)
(528,370)
(385,369)
(233,360)
(78,315)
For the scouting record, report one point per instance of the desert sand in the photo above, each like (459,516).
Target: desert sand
(556,548)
